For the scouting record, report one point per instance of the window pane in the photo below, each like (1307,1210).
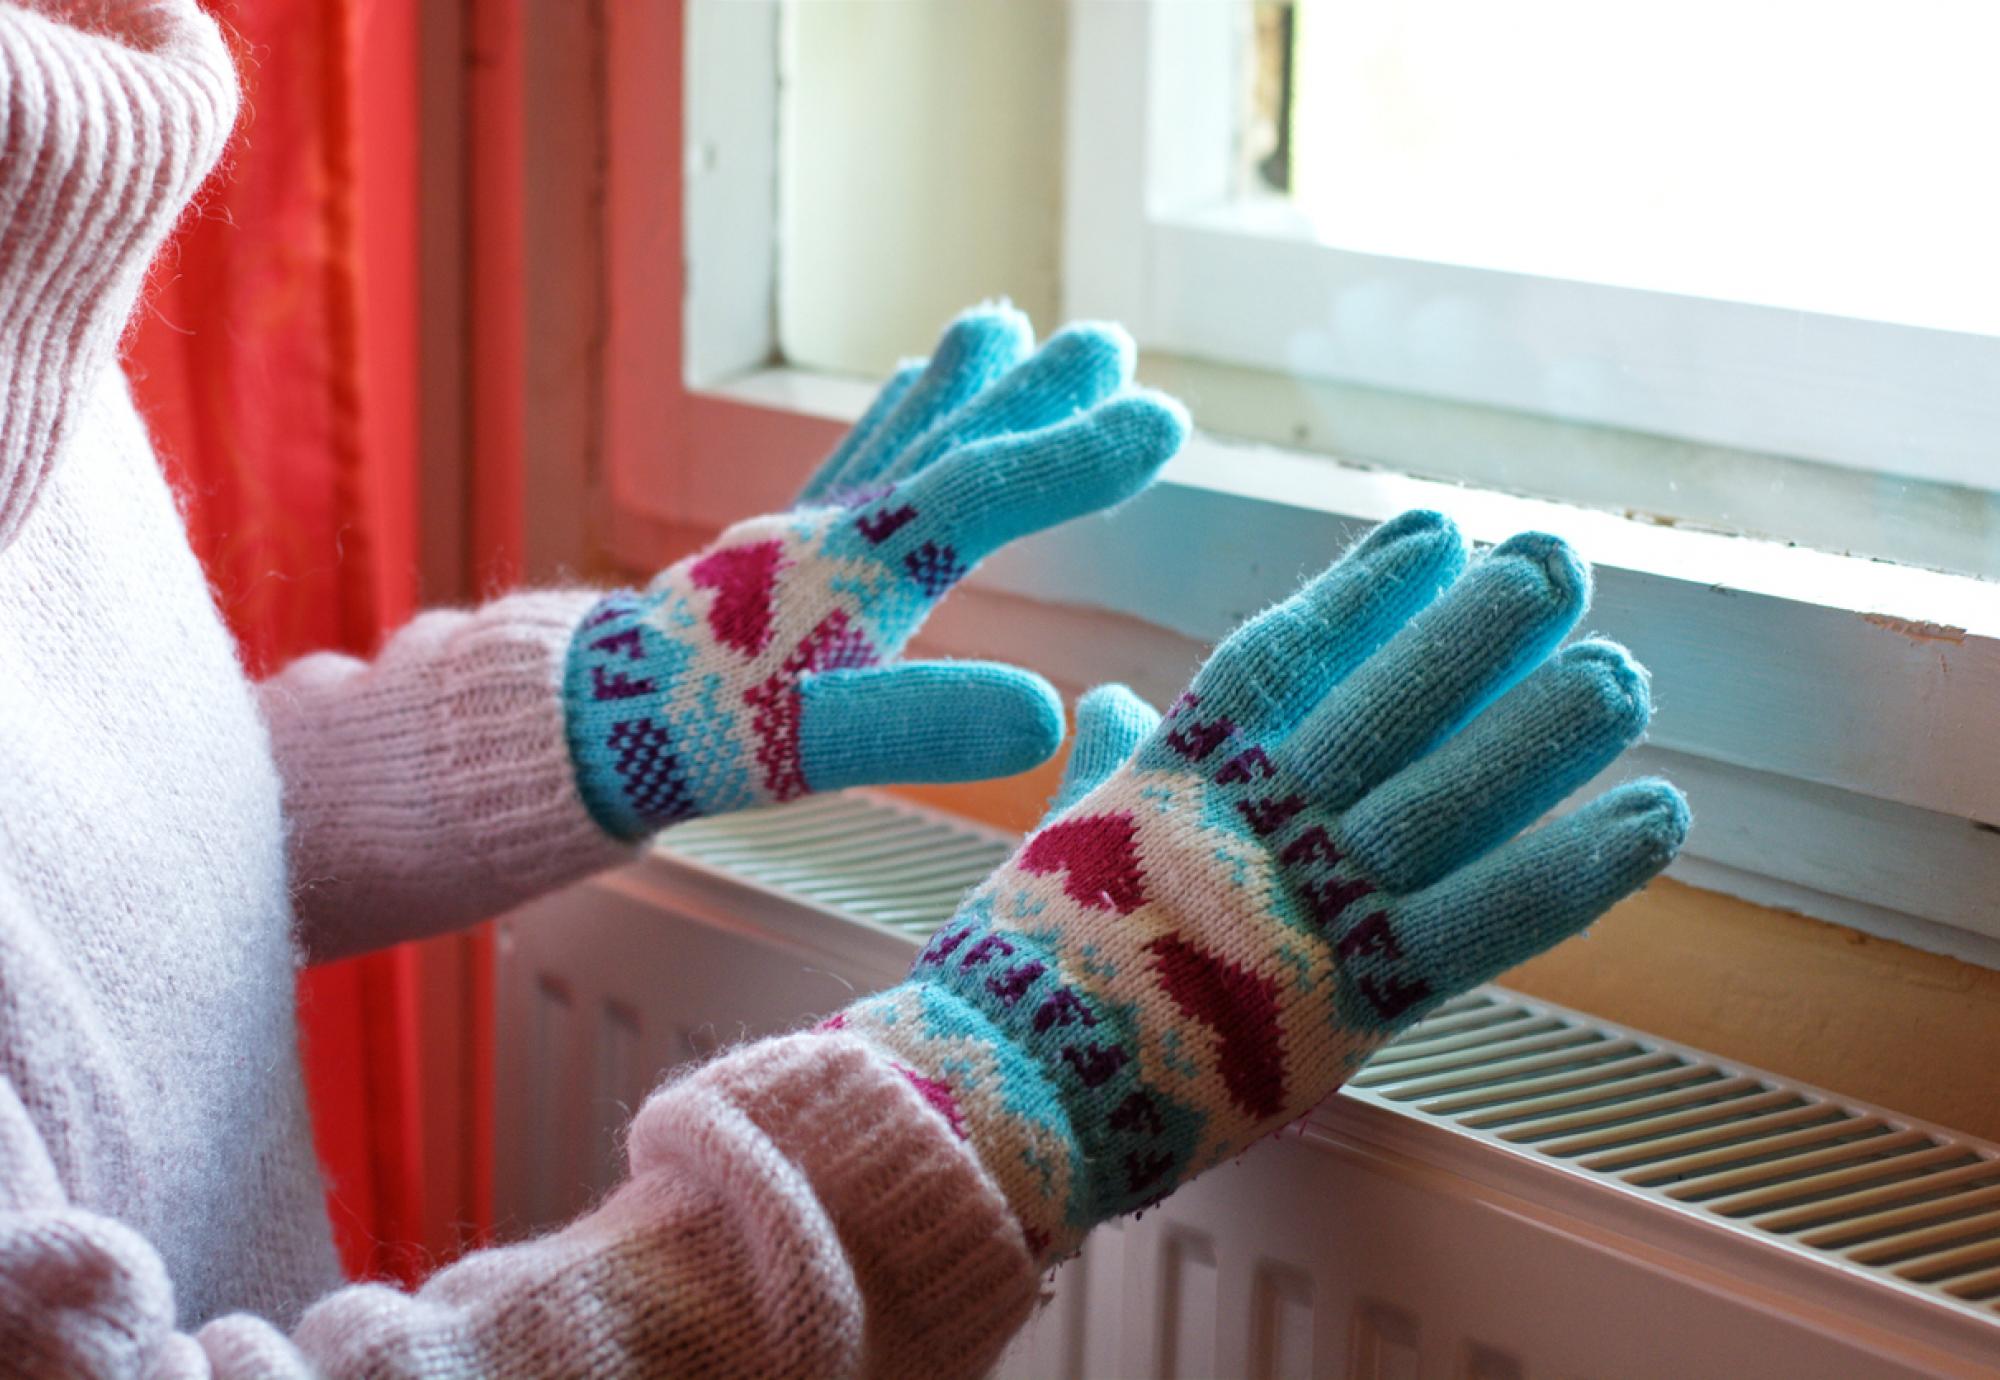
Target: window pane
(1829,155)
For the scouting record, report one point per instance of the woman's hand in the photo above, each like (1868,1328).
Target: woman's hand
(764,667)
(1327,836)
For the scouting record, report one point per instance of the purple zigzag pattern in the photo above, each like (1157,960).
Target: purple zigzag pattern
(884,523)
(1316,867)
(935,568)
(1267,815)
(649,770)
(1195,741)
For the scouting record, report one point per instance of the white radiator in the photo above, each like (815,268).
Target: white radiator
(1510,1190)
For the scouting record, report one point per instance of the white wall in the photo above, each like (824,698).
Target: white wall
(934,182)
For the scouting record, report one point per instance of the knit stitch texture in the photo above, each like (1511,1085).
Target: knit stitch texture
(174,839)
(1230,909)
(753,672)
(1302,856)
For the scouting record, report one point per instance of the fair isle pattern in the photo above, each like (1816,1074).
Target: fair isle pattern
(1189,958)
(685,699)
(755,671)
(1325,837)
(1154,981)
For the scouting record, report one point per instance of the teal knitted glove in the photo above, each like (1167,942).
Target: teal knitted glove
(754,671)
(1227,910)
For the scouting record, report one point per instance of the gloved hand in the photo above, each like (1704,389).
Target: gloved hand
(1227,910)
(763,667)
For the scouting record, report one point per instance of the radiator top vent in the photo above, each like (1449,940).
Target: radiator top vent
(879,861)
(1913,1205)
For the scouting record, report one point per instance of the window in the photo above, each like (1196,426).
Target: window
(1733,464)
(1744,247)
(1790,154)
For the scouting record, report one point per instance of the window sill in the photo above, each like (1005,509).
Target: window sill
(1824,712)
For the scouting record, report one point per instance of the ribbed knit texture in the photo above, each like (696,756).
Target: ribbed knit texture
(1311,848)
(172,837)
(106,136)
(794,1209)
(468,707)
(1230,908)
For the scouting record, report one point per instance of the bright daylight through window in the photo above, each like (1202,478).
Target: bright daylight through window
(1656,277)
(1749,243)
(1794,153)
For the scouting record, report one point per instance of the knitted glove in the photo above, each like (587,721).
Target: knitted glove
(1228,910)
(752,672)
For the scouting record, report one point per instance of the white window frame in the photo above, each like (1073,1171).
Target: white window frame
(1832,718)
(1160,242)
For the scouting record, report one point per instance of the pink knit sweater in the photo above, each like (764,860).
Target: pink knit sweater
(174,839)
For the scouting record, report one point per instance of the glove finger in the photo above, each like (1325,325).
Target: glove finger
(981,346)
(1543,739)
(925,721)
(1111,722)
(826,481)
(1271,671)
(1493,626)
(979,499)
(1400,961)
(1076,368)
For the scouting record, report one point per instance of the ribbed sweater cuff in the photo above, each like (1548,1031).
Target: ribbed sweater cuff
(507,776)
(434,786)
(943,1273)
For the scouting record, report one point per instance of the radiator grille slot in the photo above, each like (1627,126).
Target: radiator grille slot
(883,863)
(1913,1205)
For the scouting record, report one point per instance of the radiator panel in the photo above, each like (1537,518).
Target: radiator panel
(1392,1274)
(1510,1190)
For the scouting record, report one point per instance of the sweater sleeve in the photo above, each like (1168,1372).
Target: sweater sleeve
(796,1208)
(433,786)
